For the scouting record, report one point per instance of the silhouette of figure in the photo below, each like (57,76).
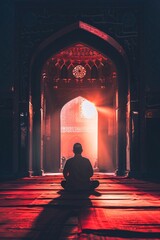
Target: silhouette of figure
(78,171)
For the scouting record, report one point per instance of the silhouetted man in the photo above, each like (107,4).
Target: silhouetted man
(78,171)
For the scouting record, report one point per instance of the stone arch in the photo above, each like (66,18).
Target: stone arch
(80,125)
(85,33)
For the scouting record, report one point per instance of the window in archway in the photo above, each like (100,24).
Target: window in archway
(79,123)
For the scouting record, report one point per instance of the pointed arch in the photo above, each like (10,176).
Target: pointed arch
(64,72)
(80,25)
(82,33)
(94,72)
(79,123)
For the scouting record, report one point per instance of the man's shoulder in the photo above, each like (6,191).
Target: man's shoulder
(78,158)
(70,159)
(86,159)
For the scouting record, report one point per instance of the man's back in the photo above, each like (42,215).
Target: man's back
(78,171)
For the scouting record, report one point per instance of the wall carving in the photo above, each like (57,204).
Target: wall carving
(35,24)
(79,66)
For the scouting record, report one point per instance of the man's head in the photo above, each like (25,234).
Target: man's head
(77,148)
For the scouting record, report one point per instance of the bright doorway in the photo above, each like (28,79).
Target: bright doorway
(79,123)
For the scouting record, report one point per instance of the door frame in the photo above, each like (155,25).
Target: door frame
(80,32)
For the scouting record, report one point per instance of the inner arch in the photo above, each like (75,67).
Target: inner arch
(79,123)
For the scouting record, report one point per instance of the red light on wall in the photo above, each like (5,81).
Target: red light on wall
(79,123)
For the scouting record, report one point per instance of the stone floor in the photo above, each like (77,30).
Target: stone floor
(120,208)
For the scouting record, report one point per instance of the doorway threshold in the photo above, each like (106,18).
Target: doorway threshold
(52,174)
(60,173)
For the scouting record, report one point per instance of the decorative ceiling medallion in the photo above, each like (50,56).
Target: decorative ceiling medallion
(79,71)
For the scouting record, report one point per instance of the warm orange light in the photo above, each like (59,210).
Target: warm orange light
(88,109)
(79,123)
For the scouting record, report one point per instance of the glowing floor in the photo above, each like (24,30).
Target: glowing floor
(38,208)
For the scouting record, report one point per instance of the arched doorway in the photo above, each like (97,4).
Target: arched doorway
(101,83)
(79,70)
(79,123)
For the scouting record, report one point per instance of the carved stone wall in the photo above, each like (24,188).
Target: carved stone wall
(6,86)
(36,23)
(26,24)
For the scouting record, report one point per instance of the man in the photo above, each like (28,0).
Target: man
(78,171)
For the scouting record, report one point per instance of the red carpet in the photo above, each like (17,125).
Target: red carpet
(120,219)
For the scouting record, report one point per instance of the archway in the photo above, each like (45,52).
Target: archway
(79,123)
(111,50)
(79,70)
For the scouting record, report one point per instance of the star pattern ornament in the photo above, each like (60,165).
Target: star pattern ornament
(79,71)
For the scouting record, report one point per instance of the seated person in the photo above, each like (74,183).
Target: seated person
(78,171)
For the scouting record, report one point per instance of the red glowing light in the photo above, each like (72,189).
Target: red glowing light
(79,123)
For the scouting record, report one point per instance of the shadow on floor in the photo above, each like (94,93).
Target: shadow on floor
(51,221)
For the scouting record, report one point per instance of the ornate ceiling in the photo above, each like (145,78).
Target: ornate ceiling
(79,66)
